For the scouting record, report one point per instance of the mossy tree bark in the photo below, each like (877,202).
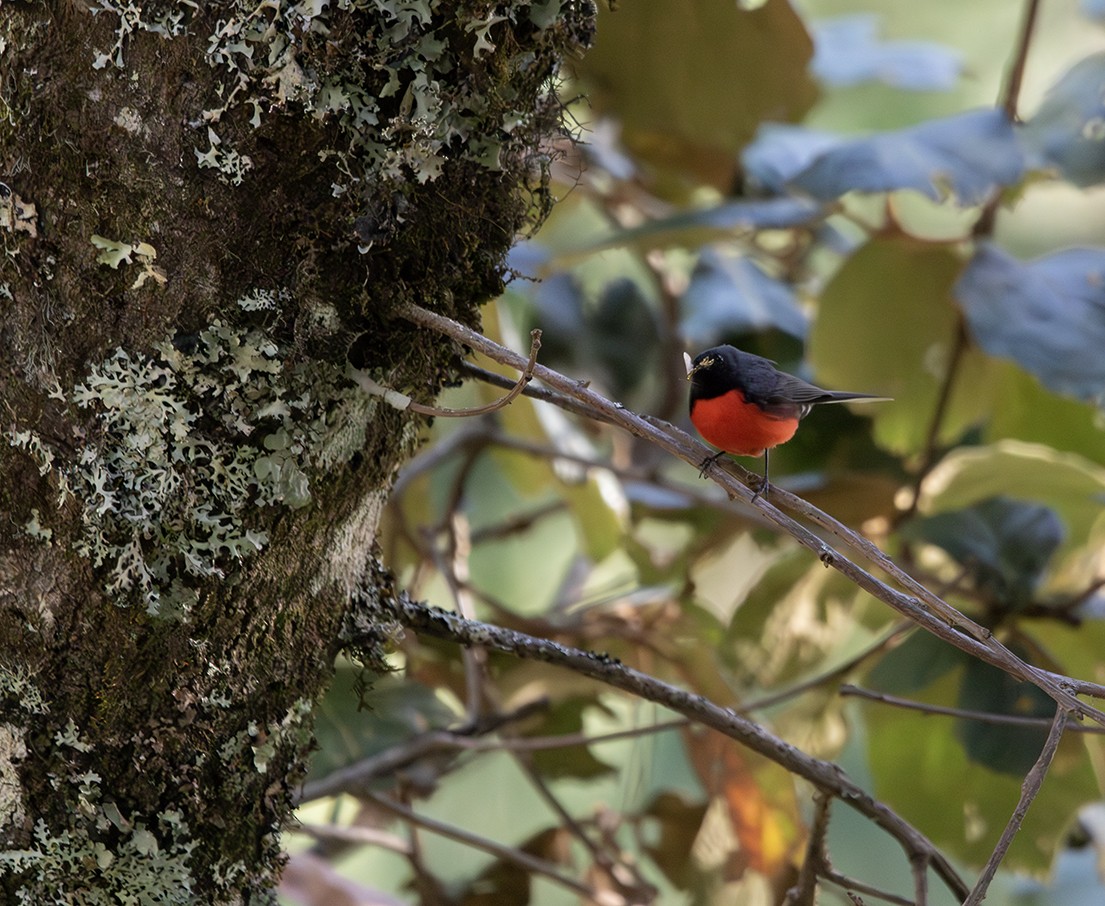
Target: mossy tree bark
(207,213)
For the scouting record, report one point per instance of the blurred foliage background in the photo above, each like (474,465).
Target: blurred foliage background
(832,184)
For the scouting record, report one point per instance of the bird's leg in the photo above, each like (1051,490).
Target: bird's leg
(709,461)
(765,485)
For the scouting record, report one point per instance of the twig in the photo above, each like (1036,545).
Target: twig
(354,778)
(506,853)
(363,836)
(804,890)
(984,717)
(1012,90)
(813,682)
(1009,100)
(402,402)
(1031,786)
(823,775)
(851,884)
(932,436)
(919,605)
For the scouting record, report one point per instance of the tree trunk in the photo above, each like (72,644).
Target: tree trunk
(207,212)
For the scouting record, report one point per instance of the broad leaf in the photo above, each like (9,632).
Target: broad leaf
(621,337)
(1071,485)
(916,663)
(878,333)
(674,824)
(781,151)
(730,294)
(1006,748)
(671,72)
(1005,545)
(355,721)
(966,156)
(1067,131)
(1048,315)
(847,51)
(565,718)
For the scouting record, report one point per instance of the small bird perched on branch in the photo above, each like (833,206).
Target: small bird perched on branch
(744,405)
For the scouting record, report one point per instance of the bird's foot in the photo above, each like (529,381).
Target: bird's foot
(709,461)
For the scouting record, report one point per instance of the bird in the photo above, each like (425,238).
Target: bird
(744,405)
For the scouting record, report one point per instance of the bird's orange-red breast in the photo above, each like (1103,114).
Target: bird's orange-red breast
(742,404)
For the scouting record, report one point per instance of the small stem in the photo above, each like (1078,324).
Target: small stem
(984,717)
(932,437)
(506,853)
(1029,789)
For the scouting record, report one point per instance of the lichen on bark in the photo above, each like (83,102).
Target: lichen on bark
(213,209)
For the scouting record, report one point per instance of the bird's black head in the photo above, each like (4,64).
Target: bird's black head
(714,371)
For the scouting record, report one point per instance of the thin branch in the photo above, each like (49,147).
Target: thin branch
(984,717)
(828,676)
(983,226)
(1009,101)
(362,836)
(931,446)
(356,777)
(403,402)
(1012,91)
(919,604)
(851,884)
(534,391)
(1031,786)
(805,888)
(506,853)
(824,775)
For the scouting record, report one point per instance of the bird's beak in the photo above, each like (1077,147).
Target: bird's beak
(689,365)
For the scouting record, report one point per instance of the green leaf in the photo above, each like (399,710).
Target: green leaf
(1066,131)
(1004,544)
(918,662)
(668,72)
(1069,425)
(921,770)
(1004,748)
(353,723)
(1072,486)
(600,525)
(878,333)
(566,718)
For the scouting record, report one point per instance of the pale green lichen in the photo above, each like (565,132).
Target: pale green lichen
(101,857)
(17,687)
(13,749)
(263,742)
(398,92)
(105,860)
(35,529)
(231,166)
(188,444)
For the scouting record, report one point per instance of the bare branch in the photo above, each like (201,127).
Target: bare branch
(984,717)
(824,775)
(919,604)
(506,853)
(403,402)
(1031,786)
